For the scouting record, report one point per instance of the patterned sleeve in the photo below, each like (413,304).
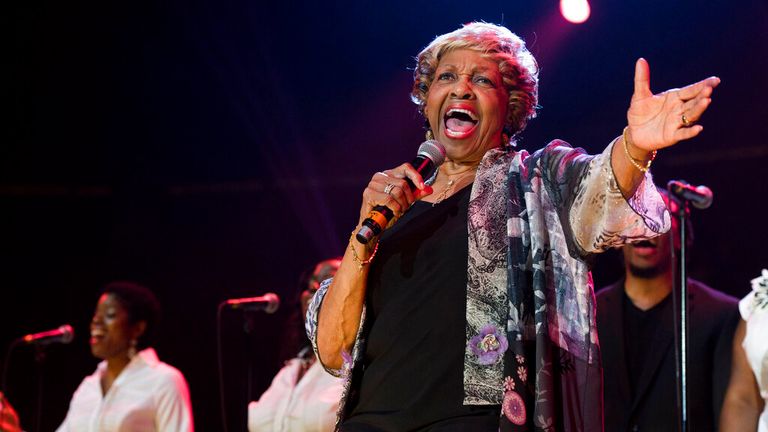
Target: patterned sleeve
(313,314)
(600,217)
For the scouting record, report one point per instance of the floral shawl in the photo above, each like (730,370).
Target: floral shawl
(534,221)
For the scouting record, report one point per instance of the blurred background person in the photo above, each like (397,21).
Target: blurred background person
(745,407)
(131,389)
(636,328)
(302,396)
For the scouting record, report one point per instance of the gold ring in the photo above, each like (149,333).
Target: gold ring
(389,188)
(686,122)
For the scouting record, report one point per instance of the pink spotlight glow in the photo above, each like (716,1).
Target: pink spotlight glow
(575,11)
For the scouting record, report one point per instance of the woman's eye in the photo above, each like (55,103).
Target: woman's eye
(484,81)
(445,76)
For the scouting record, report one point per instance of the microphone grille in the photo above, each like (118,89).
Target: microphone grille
(67,333)
(274,302)
(706,200)
(433,150)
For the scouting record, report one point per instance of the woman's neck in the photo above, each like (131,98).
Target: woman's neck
(453,168)
(115,366)
(452,177)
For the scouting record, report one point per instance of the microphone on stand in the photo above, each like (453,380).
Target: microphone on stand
(430,156)
(268,303)
(699,196)
(63,334)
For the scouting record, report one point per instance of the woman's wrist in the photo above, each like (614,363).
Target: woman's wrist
(638,157)
(362,254)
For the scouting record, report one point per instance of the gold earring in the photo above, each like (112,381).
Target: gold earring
(429,135)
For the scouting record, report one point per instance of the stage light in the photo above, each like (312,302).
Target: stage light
(575,11)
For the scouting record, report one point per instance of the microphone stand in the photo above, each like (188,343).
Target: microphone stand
(249,326)
(681,312)
(40,356)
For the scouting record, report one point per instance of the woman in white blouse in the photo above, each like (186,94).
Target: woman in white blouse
(303,397)
(745,408)
(131,389)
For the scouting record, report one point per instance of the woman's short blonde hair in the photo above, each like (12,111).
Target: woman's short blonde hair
(517,66)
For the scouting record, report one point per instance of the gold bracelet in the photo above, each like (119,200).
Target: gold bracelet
(635,162)
(361,263)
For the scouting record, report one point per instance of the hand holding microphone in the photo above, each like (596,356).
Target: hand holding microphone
(397,189)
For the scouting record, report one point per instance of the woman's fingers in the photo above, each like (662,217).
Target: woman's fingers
(421,193)
(685,133)
(642,79)
(694,110)
(400,191)
(662,120)
(391,189)
(701,89)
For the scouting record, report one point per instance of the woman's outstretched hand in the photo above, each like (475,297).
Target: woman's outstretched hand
(662,120)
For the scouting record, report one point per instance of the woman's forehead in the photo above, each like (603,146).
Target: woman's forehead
(463,57)
(109,300)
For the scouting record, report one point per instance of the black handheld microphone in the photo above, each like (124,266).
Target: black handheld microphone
(430,156)
(63,334)
(269,303)
(699,196)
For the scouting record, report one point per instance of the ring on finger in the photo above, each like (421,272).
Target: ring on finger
(388,188)
(685,121)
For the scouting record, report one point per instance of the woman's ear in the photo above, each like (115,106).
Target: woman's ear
(138,329)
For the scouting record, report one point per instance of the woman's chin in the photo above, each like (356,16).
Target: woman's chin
(98,353)
(98,350)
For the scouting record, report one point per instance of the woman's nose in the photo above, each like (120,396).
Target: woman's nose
(462,89)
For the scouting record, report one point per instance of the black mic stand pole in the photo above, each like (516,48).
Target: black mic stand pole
(40,356)
(249,326)
(681,312)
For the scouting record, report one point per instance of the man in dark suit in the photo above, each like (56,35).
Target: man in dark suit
(636,330)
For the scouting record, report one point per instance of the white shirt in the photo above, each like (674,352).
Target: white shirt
(309,406)
(147,396)
(754,310)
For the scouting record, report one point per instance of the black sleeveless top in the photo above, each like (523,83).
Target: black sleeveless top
(415,326)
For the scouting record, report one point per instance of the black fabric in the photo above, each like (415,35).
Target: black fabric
(712,320)
(640,328)
(413,362)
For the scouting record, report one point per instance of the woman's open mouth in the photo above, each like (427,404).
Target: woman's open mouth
(97,335)
(459,122)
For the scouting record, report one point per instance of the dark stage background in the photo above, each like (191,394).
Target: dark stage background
(217,149)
